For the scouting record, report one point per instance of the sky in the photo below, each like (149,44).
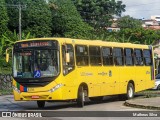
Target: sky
(141,8)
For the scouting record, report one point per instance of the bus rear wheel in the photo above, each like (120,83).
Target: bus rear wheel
(80,97)
(130,91)
(41,104)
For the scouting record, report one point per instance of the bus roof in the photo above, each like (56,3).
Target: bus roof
(89,42)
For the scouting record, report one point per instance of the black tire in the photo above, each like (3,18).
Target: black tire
(80,97)
(96,99)
(130,91)
(41,104)
(158,88)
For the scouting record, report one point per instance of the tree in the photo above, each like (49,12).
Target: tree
(99,13)
(140,35)
(13,15)
(66,21)
(3,29)
(129,22)
(36,17)
(3,18)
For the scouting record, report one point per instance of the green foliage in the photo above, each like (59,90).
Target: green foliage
(3,17)
(7,41)
(102,35)
(98,13)
(66,20)
(141,35)
(3,46)
(36,17)
(11,38)
(13,15)
(137,36)
(129,22)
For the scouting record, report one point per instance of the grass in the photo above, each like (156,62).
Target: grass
(5,70)
(6,92)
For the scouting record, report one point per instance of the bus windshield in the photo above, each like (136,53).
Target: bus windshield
(35,63)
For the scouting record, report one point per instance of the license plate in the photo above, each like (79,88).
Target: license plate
(30,89)
(35,97)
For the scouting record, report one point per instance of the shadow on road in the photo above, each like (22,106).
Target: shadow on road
(32,105)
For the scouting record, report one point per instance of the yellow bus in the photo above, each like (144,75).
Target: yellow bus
(65,69)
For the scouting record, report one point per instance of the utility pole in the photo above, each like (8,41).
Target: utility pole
(20,7)
(20,23)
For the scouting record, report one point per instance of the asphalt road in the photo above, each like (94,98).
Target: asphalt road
(7,103)
(108,104)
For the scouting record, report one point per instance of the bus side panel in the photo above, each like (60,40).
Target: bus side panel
(86,74)
(127,73)
(149,83)
(108,77)
(80,75)
(69,92)
(70,88)
(74,79)
(97,80)
(140,78)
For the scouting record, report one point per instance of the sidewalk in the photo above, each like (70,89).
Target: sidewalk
(145,103)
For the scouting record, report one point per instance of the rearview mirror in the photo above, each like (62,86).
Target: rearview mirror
(67,57)
(7,55)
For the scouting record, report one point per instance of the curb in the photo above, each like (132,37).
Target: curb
(140,106)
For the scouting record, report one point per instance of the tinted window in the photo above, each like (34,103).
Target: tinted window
(118,56)
(147,57)
(107,56)
(138,57)
(95,55)
(81,55)
(128,56)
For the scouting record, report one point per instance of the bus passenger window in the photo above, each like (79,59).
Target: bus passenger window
(107,56)
(128,56)
(95,55)
(138,57)
(147,57)
(81,55)
(68,66)
(118,56)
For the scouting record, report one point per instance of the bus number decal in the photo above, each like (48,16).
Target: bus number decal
(30,89)
(102,74)
(86,74)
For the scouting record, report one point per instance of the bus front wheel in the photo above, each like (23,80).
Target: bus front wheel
(41,104)
(130,91)
(80,97)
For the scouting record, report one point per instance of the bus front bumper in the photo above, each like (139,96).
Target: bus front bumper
(52,94)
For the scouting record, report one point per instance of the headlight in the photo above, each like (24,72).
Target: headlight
(55,88)
(16,89)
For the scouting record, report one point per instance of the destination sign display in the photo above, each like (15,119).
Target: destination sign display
(34,44)
(37,43)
